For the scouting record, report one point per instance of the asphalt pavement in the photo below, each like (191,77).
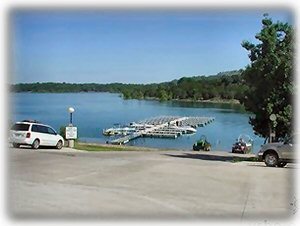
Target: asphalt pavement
(71,184)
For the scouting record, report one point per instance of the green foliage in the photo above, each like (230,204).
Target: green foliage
(269,77)
(163,95)
(62,131)
(93,147)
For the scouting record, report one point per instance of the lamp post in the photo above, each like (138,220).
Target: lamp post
(71,110)
(272,131)
(71,131)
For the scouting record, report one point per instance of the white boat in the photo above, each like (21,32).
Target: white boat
(118,131)
(185,129)
(140,126)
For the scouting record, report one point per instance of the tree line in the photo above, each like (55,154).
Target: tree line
(223,86)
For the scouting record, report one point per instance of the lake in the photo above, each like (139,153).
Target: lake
(97,111)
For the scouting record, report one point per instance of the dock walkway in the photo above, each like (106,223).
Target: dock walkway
(161,127)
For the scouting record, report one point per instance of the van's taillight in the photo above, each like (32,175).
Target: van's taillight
(27,135)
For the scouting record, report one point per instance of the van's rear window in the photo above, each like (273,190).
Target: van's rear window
(20,127)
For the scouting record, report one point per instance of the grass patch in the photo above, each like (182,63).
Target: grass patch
(95,147)
(110,147)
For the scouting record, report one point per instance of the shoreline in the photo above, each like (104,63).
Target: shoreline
(212,101)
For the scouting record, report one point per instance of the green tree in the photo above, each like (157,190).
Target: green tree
(163,95)
(126,94)
(269,77)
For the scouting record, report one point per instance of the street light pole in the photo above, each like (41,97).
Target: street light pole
(71,110)
(71,118)
(272,127)
(71,141)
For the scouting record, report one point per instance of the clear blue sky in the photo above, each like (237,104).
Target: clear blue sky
(130,46)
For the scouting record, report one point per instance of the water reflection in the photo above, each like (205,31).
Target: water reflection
(226,106)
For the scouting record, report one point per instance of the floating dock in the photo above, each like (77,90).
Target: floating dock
(164,127)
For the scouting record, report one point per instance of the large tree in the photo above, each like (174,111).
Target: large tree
(269,78)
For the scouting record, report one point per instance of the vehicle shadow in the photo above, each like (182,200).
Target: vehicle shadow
(288,166)
(253,162)
(25,147)
(210,157)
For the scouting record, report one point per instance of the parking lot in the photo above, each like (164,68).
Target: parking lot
(146,185)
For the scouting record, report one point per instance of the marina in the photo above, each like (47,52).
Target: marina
(157,127)
(230,121)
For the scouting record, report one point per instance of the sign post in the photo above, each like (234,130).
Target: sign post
(71,132)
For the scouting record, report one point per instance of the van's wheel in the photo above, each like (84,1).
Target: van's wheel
(35,144)
(281,164)
(271,159)
(59,144)
(16,145)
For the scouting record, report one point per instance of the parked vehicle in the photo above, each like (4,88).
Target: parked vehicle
(35,134)
(243,144)
(279,153)
(202,144)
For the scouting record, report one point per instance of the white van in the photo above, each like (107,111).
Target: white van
(34,134)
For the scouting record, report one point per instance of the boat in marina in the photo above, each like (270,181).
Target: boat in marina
(160,127)
(184,129)
(140,126)
(118,131)
(134,127)
(127,129)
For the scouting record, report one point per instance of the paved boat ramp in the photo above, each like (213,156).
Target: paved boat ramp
(164,127)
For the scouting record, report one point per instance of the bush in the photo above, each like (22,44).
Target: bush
(62,131)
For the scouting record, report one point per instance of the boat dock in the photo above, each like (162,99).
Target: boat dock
(165,127)
(197,121)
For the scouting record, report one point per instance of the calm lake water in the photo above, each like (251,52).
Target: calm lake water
(96,111)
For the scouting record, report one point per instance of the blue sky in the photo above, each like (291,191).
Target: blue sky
(130,46)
